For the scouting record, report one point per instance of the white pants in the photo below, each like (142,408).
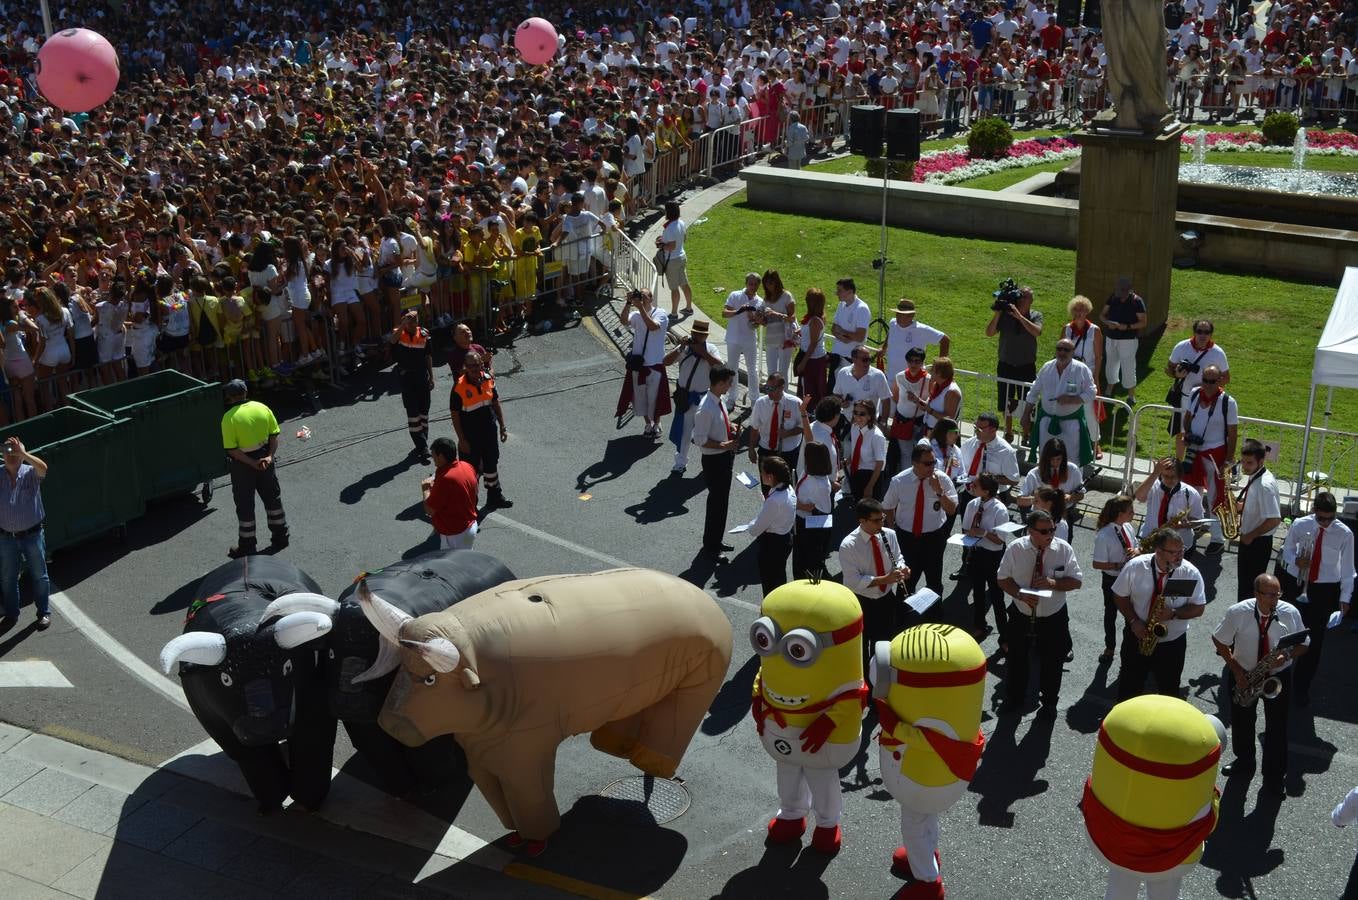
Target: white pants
(1070,434)
(919,836)
(734,352)
(802,789)
(1124,884)
(777,360)
(1092,420)
(461,541)
(644,393)
(686,437)
(1120,362)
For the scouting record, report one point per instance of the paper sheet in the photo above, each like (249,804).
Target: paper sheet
(1335,618)
(963,540)
(740,529)
(818,521)
(1010,528)
(921,600)
(746,479)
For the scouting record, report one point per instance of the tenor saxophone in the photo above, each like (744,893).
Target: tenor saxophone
(1259,683)
(1155,629)
(1174,523)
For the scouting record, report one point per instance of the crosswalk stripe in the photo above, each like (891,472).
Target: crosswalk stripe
(36,673)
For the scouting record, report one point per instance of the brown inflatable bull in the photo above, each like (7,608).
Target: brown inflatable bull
(632,656)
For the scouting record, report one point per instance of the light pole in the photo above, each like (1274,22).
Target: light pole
(46,19)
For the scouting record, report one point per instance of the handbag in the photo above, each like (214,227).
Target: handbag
(661,261)
(207,334)
(798,362)
(635,362)
(681,398)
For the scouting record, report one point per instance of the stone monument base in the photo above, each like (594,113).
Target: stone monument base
(1129,185)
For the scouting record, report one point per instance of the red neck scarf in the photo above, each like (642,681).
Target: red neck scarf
(1077,333)
(915,379)
(961,757)
(1210,345)
(937,388)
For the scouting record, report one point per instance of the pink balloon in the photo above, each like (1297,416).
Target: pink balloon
(535,39)
(77,69)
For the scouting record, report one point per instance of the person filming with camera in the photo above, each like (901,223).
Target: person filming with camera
(646,387)
(1018,326)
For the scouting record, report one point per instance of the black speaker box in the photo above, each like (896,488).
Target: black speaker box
(902,135)
(865,130)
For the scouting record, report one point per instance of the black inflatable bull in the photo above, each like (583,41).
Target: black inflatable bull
(360,666)
(249,661)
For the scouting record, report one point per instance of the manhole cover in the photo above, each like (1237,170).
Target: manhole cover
(645,799)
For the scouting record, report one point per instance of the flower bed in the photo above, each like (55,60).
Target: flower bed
(1321,143)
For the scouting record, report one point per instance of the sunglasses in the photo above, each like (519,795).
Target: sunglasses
(1042,530)
(1063,350)
(1324,519)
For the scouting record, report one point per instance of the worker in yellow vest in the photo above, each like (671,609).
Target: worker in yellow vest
(476,414)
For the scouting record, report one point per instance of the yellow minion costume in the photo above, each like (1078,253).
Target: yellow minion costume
(808,702)
(929,685)
(1151,799)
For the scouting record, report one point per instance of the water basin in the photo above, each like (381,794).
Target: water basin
(1289,181)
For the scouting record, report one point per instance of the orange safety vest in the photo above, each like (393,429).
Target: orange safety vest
(474,396)
(416,341)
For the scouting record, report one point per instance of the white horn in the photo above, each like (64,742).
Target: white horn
(297,628)
(204,648)
(386,618)
(299,601)
(388,661)
(440,653)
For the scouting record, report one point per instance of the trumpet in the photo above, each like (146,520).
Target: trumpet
(1155,629)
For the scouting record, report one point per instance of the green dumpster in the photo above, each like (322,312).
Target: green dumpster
(92,485)
(176,423)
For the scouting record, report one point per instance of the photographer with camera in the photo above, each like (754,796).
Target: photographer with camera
(1207,444)
(646,388)
(696,356)
(741,313)
(1018,326)
(1186,363)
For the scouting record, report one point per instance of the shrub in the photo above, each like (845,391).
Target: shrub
(990,138)
(1280,128)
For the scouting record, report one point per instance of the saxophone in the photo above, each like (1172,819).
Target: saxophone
(1226,511)
(1259,683)
(1174,523)
(1155,629)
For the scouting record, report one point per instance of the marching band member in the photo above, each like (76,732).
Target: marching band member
(1166,497)
(872,566)
(776,424)
(1055,469)
(815,497)
(1137,588)
(1259,516)
(983,514)
(985,451)
(1318,560)
(867,453)
(1114,547)
(1037,561)
(1248,634)
(1209,418)
(918,503)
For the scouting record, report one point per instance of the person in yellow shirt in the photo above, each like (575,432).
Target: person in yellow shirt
(479,260)
(239,337)
(250,438)
(205,328)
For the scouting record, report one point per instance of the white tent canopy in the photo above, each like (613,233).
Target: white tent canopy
(1336,362)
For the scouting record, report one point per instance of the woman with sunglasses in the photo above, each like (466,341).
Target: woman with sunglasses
(867,453)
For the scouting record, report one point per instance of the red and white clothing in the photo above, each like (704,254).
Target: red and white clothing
(770,419)
(867,447)
(859,561)
(1334,561)
(1208,419)
(1068,481)
(1086,340)
(940,397)
(1141,579)
(1164,504)
(996,457)
(1210,355)
(1243,626)
(904,498)
(912,405)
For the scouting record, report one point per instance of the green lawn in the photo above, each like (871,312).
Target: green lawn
(1268,327)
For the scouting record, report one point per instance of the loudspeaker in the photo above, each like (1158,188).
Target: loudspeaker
(902,135)
(1068,13)
(865,130)
(1093,17)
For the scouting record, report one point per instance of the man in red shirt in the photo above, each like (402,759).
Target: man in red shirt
(450,497)
(1052,34)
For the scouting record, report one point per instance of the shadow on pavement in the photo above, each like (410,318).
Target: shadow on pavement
(789,871)
(732,703)
(666,499)
(1240,847)
(353,493)
(1086,713)
(1009,769)
(162,521)
(18,637)
(620,454)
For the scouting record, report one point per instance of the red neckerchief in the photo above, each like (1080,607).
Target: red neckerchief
(915,379)
(1137,847)
(1057,477)
(937,388)
(1210,345)
(764,710)
(1077,333)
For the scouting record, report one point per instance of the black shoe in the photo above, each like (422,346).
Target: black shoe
(280,540)
(1238,766)
(1047,713)
(726,547)
(44,622)
(1273,790)
(241,550)
(500,501)
(1215,549)
(7,623)
(1303,699)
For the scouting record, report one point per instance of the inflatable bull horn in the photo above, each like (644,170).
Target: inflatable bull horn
(387,619)
(201,648)
(300,601)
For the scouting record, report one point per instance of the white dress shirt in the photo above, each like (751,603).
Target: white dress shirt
(1019,561)
(857,564)
(1070,481)
(1239,630)
(997,458)
(815,489)
(1209,422)
(902,492)
(872,451)
(1336,558)
(1183,496)
(789,410)
(648,344)
(1261,500)
(824,434)
(901,340)
(777,515)
(850,317)
(1109,547)
(1075,382)
(1138,580)
(710,423)
(989,514)
(949,460)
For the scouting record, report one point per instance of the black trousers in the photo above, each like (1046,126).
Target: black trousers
(1251,561)
(1005,394)
(1275,729)
(983,567)
(924,556)
(1110,612)
(1165,665)
(485,453)
(1050,636)
(881,622)
(1322,600)
(773,550)
(809,548)
(717,468)
(246,482)
(415,396)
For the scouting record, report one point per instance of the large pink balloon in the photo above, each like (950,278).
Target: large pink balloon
(535,39)
(77,69)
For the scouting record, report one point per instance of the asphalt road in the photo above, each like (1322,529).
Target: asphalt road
(589,496)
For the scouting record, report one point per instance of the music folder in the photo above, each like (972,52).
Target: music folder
(1180,587)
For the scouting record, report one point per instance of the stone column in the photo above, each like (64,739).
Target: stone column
(1129,186)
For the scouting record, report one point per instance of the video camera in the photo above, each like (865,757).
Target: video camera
(1192,443)
(1007,295)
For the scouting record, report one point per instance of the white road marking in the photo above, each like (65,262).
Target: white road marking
(595,554)
(35,673)
(166,687)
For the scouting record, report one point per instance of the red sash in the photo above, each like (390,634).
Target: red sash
(761,709)
(961,757)
(1139,848)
